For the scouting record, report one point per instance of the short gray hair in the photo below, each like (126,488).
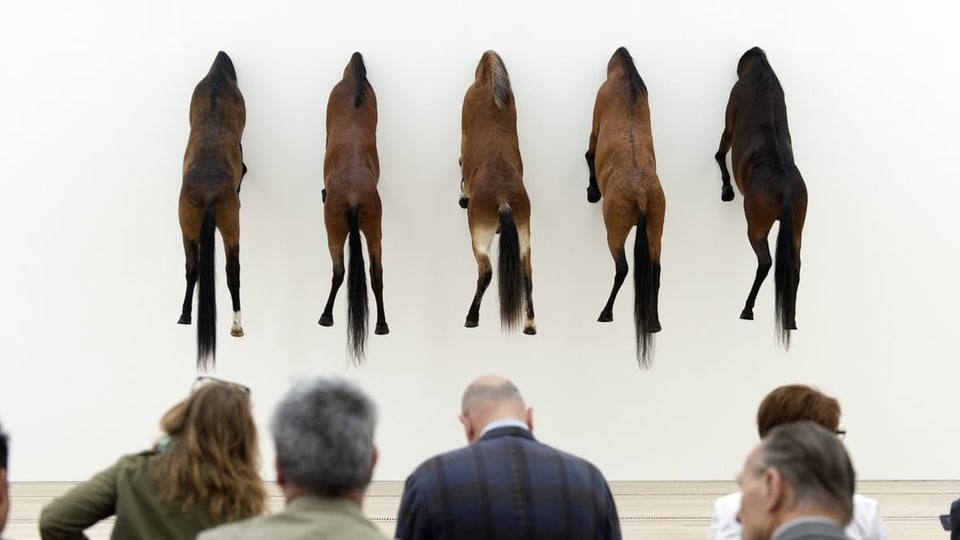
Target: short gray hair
(813,461)
(478,393)
(323,430)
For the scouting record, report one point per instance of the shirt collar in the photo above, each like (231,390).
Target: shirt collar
(502,423)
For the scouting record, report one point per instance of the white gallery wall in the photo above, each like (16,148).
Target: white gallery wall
(93,124)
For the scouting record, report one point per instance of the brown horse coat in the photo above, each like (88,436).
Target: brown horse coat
(351,171)
(210,198)
(494,195)
(622,168)
(769,180)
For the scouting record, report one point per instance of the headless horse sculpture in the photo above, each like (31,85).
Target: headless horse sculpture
(213,169)
(623,171)
(771,185)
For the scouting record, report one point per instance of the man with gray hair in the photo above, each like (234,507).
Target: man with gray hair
(797,485)
(323,431)
(505,483)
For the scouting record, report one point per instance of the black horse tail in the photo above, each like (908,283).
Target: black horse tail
(207,296)
(786,275)
(356,291)
(510,272)
(645,288)
(359,79)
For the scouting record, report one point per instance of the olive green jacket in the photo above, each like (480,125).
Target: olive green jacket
(127,490)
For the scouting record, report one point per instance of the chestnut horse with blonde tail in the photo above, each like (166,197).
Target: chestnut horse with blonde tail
(769,180)
(623,172)
(351,170)
(213,169)
(494,196)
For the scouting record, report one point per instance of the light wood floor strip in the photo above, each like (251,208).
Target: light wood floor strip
(648,510)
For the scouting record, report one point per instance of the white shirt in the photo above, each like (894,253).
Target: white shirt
(504,422)
(865,525)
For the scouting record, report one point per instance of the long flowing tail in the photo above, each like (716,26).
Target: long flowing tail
(510,272)
(645,294)
(786,275)
(207,301)
(356,291)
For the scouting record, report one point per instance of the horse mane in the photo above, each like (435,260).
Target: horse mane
(221,70)
(762,75)
(637,86)
(500,79)
(359,79)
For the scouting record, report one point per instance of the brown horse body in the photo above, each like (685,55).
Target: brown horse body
(622,168)
(494,196)
(351,170)
(213,169)
(768,179)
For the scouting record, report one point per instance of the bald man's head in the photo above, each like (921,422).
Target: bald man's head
(491,398)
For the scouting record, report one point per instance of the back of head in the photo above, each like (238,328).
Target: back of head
(4,449)
(814,463)
(796,403)
(4,491)
(323,430)
(212,463)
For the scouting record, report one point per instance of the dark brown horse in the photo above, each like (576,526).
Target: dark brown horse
(210,198)
(351,170)
(623,171)
(768,179)
(493,194)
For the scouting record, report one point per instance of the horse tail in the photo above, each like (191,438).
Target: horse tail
(207,295)
(356,290)
(637,86)
(645,294)
(510,272)
(786,274)
(359,79)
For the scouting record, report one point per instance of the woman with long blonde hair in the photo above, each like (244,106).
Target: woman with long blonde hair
(203,473)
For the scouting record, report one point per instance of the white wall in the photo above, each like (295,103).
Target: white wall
(93,123)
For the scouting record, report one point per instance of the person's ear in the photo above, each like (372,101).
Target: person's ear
(530,419)
(467,427)
(775,490)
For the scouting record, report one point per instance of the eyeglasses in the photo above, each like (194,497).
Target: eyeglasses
(841,433)
(205,379)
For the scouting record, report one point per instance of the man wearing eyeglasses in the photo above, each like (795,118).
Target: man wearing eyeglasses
(323,430)
(797,485)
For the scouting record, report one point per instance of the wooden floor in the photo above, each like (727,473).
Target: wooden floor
(648,510)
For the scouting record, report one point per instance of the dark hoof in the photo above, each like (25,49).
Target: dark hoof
(593,194)
(726,195)
(184,319)
(382,329)
(791,326)
(323,195)
(464,202)
(471,323)
(605,317)
(325,320)
(530,331)
(656,328)
(746,315)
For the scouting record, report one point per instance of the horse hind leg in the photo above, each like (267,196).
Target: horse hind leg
(764,262)
(529,324)
(376,277)
(482,238)
(336,256)
(191,249)
(228,221)
(616,237)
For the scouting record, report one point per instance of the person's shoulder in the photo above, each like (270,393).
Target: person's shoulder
(235,530)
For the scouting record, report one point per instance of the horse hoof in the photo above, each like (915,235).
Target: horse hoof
(464,202)
(593,194)
(325,320)
(530,330)
(236,331)
(792,326)
(471,323)
(726,195)
(746,315)
(656,328)
(382,329)
(184,319)
(605,317)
